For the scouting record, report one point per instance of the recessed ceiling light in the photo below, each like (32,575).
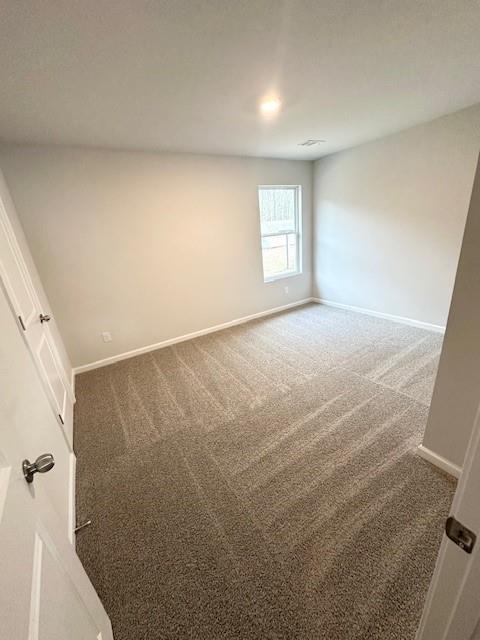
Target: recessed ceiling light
(270,106)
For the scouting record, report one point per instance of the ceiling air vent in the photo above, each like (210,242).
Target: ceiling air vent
(310,143)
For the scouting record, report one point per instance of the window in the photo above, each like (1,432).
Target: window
(280,229)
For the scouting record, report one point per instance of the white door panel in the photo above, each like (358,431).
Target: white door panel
(13,275)
(53,378)
(42,434)
(453,601)
(61,606)
(14,595)
(45,593)
(27,308)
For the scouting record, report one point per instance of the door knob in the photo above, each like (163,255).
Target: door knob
(44,317)
(42,464)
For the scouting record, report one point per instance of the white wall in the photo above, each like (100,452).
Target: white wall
(389,218)
(148,246)
(456,396)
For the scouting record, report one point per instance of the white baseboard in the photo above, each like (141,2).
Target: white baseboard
(378,314)
(195,334)
(439,461)
(72,516)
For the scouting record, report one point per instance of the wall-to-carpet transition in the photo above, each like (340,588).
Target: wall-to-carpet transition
(262,482)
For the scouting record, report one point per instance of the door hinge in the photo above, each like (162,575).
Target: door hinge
(21,323)
(462,536)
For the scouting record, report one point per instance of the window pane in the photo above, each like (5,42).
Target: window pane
(274,252)
(279,254)
(277,209)
(279,222)
(292,251)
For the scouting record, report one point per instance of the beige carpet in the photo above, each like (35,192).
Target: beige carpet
(262,482)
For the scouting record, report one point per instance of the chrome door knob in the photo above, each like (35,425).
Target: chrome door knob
(42,464)
(44,317)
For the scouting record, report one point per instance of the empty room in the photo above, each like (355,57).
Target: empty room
(240,320)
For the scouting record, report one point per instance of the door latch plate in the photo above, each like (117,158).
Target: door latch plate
(459,534)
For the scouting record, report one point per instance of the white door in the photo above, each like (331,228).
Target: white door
(452,608)
(31,317)
(45,593)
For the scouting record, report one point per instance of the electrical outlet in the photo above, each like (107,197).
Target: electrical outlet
(106,336)
(286,289)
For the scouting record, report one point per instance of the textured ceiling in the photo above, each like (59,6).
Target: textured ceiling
(186,75)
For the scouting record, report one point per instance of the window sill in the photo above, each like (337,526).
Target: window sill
(282,276)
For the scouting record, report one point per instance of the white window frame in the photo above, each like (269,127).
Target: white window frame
(298,230)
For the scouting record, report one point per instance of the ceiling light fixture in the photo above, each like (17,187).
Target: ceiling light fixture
(270,106)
